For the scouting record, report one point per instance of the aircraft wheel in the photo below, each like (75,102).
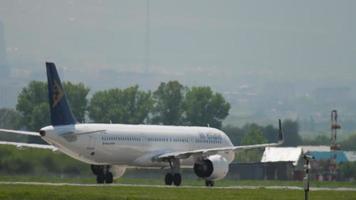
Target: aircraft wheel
(177,179)
(109,178)
(100,178)
(209,183)
(168,179)
(97,169)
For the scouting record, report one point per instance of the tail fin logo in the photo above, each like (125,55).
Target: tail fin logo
(57,93)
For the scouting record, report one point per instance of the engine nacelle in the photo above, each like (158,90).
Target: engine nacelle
(214,167)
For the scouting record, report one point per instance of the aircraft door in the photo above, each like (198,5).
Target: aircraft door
(91,144)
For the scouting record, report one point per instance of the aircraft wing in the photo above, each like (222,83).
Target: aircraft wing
(212,151)
(29,145)
(20,132)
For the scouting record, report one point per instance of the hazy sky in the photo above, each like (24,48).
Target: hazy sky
(224,40)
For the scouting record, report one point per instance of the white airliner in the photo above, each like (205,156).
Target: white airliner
(111,148)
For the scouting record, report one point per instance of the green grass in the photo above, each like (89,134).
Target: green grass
(46,179)
(29,192)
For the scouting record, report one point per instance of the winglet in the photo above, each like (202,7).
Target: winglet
(61,114)
(280,132)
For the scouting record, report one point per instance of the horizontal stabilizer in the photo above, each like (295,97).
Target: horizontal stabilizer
(20,132)
(29,145)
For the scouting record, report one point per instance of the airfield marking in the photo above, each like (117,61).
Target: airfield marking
(164,186)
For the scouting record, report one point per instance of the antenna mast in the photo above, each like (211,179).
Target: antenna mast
(334,127)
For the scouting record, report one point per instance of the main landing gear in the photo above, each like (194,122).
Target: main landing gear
(174,176)
(103,174)
(175,179)
(209,183)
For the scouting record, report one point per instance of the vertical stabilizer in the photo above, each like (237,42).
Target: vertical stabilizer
(61,114)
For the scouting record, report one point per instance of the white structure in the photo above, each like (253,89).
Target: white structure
(350,155)
(282,154)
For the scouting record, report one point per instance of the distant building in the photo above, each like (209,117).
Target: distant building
(287,162)
(246,171)
(283,163)
(351,156)
(282,154)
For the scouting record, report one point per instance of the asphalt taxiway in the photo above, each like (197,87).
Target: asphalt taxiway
(164,186)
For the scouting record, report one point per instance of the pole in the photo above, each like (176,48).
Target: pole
(307,159)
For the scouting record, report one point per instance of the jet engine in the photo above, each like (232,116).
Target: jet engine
(214,167)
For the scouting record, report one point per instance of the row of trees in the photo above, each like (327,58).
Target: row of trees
(347,143)
(32,103)
(291,135)
(256,134)
(170,104)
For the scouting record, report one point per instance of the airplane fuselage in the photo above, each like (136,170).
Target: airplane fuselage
(133,145)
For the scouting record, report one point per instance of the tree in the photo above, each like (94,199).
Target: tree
(291,133)
(318,140)
(203,107)
(348,170)
(235,134)
(270,133)
(130,106)
(254,136)
(9,118)
(349,143)
(77,94)
(32,103)
(168,99)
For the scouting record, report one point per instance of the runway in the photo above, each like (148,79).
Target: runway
(164,186)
